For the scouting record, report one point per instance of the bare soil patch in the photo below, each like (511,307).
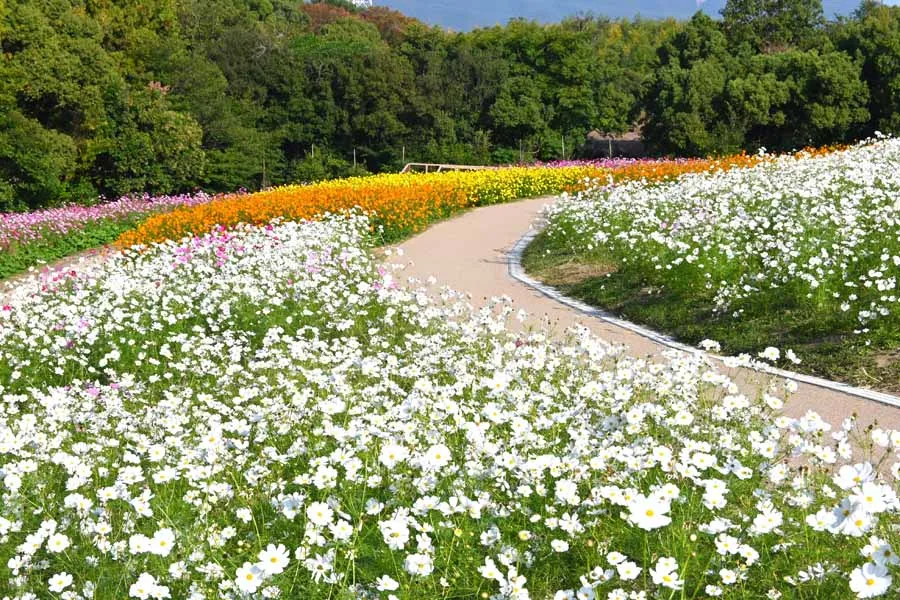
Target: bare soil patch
(574,272)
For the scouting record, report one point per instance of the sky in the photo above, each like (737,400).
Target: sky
(462,15)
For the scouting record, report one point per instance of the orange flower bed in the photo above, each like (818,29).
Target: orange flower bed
(659,170)
(400,205)
(403,207)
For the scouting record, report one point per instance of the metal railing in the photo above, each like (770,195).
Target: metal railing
(438,167)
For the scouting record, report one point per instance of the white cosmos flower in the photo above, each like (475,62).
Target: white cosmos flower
(248,578)
(491,536)
(567,491)
(711,346)
(749,554)
(273,559)
(489,570)
(665,574)
(649,513)
(418,564)
(386,583)
(870,580)
(885,555)
(767,521)
(880,552)
(59,582)
(773,402)
(498,382)
(392,454)
(586,593)
(395,533)
(771,353)
(244,514)
(139,543)
(58,542)
(873,498)
(146,586)
(821,520)
(341,530)
(162,542)
(728,576)
(856,522)
(437,456)
(628,570)
(319,514)
(849,477)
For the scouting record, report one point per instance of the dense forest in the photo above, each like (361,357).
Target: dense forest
(108,97)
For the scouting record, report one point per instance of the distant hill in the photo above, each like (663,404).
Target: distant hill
(463,15)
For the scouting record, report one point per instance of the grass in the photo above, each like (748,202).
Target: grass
(826,348)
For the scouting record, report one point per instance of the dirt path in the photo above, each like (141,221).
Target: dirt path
(469,253)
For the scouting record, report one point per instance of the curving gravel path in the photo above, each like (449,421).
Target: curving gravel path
(470,253)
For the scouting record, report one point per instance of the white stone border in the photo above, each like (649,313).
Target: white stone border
(517,272)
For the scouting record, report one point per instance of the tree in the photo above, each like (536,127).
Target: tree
(872,38)
(391,24)
(518,114)
(684,100)
(120,96)
(825,100)
(147,147)
(771,25)
(37,165)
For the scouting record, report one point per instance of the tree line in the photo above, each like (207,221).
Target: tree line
(110,97)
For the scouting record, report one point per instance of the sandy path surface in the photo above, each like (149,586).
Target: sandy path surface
(469,253)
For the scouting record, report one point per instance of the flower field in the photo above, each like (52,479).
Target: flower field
(401,205)
(800,249)
(265,413)
(29,239)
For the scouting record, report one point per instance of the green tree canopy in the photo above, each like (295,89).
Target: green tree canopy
(119,96)
(773,24)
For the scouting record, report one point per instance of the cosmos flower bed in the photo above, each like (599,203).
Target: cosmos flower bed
(29,238)
(818,233)
(266,413)
(404,204)
(399,205)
